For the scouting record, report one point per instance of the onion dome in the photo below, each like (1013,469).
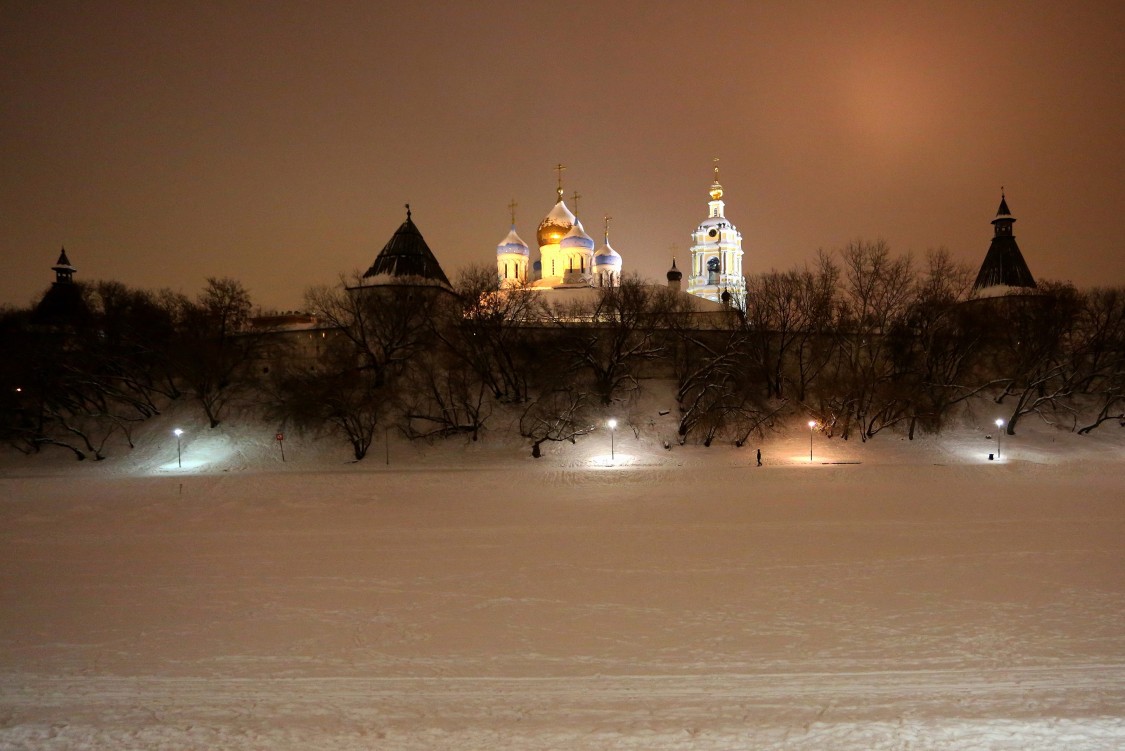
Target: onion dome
(606,255)
(577,238)
(555,225)
(512,244)
(674,274)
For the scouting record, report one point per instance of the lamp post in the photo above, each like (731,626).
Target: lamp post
(999,436)
(612,426)
(812,425)
(179,454)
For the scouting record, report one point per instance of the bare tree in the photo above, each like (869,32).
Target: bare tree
(212,354)
(1101,348)
(1035,337)
(613,337)
(938,344)
(864,390)
(484,329)
(387,325)
(556,414)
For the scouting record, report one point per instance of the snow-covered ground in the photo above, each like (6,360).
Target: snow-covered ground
(888,595)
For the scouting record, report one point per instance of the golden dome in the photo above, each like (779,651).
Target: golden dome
(555,225)
(716,189)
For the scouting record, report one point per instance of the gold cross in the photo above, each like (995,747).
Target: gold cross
(512,208)
(576,197)
(559,168)
(716,161)
(607,218)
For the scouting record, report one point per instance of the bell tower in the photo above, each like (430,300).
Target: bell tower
(716,254)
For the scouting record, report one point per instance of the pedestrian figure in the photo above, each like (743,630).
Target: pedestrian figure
(759,457)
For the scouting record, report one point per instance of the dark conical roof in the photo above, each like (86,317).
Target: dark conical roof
(1003,265)
(63,261)
(406,257)
(1002,213)
(674,274)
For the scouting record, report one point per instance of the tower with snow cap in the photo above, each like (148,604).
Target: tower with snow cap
(716,254)
(1004,270)
(607,263)
(512,256)
(577,252)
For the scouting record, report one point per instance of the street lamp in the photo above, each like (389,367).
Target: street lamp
(179,454)
(999,436)
(612,426)
(812,425)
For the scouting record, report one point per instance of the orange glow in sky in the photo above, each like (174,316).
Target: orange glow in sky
(163,143)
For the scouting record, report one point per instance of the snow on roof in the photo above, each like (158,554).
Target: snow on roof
(512,243)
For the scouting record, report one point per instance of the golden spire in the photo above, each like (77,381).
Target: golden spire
(559,168)
(716,188)
(607,217)
(512,208)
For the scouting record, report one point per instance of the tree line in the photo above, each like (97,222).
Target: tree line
(861,340)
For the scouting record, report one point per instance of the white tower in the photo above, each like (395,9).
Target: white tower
(716,254)
(607,263)
(512,255)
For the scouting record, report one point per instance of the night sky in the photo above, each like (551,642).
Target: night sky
(277,142)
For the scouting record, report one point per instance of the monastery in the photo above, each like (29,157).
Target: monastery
(568,260)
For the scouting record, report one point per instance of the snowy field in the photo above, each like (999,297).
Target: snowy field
(916,597)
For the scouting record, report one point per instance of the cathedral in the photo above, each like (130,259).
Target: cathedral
(567,258)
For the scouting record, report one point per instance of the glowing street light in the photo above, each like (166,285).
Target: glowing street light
(999,436)
(812,426)
(179,454)
(612,427)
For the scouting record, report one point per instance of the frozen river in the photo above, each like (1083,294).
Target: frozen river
(535,606)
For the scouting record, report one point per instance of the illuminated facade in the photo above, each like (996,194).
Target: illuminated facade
(512,255)
(716,255)
(566,253)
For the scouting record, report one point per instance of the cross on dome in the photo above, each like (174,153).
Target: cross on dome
(559,168)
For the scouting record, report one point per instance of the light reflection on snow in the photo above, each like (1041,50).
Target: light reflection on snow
(618,459)
(198,453)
